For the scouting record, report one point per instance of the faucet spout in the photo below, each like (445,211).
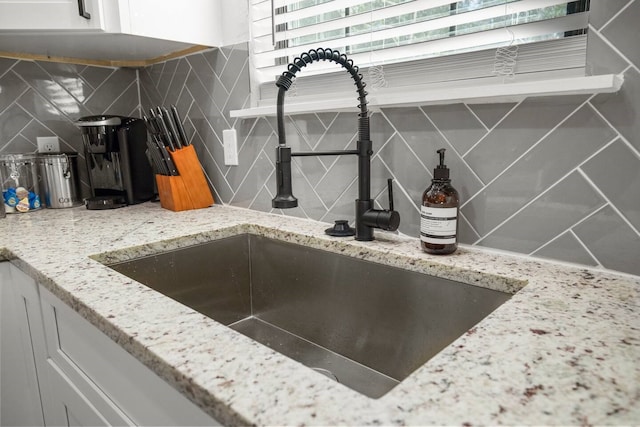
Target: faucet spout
(284,197)
(367,218)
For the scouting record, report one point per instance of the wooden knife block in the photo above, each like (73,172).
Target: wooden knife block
(186,191)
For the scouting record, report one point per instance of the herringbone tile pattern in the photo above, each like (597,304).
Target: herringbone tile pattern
(535,177)
(45,98)
(554,177)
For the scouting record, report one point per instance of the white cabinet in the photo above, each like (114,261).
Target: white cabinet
(19,389)
(53,15)
(121,388)
(119,30)
(58,369)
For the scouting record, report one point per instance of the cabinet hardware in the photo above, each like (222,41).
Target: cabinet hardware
(82,11)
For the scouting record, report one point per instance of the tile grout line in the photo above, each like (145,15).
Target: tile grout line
(613,206)
(611,46)
(157,82)
(119,96)
(205,87)
(328,170)
(330,209)
(493,128)
(244,178)
(102,83)
(304,138)
(528,150)
(184,86)
(173,76)
(226,58)
(451,145)
(622,137)
(618,13)
(249,132)
(584,246)
(140,111)
(396,132)
(469,224)
(304,175)
(8,70)
(570,228)
(15,101)
(46,98)
(530,202)
(404,191)
(381,159)
(195,131)
(32,119)
(187,116)
(235,82)
(476,116)
(265,183)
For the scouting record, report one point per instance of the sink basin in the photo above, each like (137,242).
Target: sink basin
(363,324)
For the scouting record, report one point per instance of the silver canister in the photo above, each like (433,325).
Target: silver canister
(60,178)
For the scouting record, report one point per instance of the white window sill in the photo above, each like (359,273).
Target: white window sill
(469,93)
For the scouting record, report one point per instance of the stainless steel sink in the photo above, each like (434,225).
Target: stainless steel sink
(363,324)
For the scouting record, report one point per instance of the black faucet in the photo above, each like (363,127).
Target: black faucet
(367,218)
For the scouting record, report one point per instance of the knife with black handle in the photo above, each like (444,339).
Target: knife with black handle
(178,121)
(154,150)
(164,131)
(156,158)
(172,127)
(166,157)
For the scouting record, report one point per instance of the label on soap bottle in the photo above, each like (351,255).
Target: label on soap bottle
(438,225)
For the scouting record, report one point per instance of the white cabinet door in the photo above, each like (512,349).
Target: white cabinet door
(19,390)
(70,406)
(58,369)
(193,21)
(53,15)
(120,388)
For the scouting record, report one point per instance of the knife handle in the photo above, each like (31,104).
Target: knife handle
(164,132)
(172,128)
(178,121)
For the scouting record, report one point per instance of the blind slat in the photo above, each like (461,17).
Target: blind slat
(416,40)
(485,38)
(406,8)
(548,57)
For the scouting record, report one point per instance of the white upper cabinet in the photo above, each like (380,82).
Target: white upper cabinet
(119,30)
(54,15)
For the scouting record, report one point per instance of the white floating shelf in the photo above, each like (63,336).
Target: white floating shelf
(434,95)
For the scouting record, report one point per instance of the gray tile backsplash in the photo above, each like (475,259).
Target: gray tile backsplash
(44,99)
(517,132)
(555,211)
(611,241)
(551,177)
(616,173)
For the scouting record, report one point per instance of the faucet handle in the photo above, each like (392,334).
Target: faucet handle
(389,219)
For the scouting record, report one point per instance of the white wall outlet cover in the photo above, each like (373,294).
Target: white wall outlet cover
(230,141)
(48,144)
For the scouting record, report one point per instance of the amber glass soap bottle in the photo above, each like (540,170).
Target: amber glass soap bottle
(439,213)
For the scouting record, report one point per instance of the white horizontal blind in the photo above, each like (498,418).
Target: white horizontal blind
(377,32)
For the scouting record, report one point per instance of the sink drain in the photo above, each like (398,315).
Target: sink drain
(327,373)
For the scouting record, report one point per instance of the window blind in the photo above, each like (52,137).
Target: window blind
(416,34)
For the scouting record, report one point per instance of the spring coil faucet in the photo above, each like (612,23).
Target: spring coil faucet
(367,218)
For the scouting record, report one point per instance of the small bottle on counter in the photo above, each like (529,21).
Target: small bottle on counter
(439,213)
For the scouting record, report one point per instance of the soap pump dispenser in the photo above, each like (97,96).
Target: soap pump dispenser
(439,213)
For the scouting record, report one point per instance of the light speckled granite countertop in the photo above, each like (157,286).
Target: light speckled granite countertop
(564,350)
